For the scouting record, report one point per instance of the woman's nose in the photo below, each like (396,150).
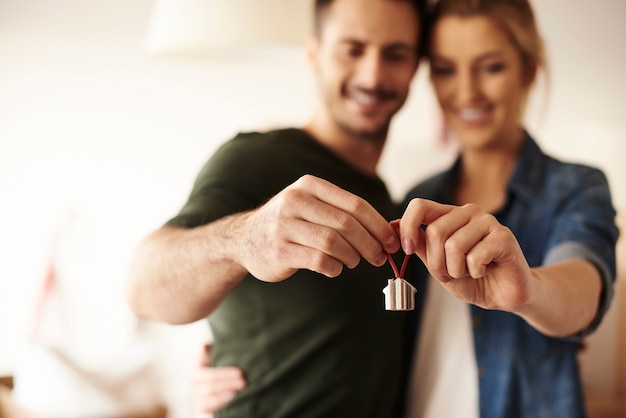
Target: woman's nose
(467,88)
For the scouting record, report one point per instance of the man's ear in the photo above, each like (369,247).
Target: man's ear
(312,48)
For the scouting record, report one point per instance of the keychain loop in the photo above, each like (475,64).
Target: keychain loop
(400,274)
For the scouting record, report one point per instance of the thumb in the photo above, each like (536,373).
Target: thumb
(395,225)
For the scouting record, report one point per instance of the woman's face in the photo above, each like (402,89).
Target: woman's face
(477,76)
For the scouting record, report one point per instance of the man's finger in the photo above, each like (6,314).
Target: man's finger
(364,213)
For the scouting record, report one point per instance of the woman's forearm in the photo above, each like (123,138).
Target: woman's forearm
(564,297)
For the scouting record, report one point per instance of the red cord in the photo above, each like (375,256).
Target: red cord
(393,265)
(404,264)
(400,274)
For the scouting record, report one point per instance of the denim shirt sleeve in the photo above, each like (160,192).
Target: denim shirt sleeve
(585,228)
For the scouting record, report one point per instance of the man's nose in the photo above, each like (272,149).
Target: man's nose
(370,71)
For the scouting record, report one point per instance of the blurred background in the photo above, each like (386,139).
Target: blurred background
(109,108)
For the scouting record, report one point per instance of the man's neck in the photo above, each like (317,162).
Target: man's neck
(362,154)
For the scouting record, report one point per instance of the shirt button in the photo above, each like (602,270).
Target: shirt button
(475,321)
(481,372)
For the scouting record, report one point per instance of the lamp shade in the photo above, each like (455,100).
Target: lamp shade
(198,26)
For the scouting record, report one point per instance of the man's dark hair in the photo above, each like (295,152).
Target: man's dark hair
(321,9)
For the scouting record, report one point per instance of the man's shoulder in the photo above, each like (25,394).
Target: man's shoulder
(273,136)
(254,145)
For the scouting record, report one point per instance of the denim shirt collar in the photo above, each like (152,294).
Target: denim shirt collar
(527,175)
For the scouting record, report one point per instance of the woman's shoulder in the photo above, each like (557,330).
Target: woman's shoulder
(538,173)
(572,175)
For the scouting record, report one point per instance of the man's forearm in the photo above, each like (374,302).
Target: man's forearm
(181,275)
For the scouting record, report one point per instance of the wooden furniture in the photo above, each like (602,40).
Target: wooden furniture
(613,405)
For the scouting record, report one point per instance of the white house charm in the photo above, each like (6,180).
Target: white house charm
(399,295)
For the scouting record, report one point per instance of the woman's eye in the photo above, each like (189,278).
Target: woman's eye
(493,68)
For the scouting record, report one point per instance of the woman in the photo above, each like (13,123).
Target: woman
(512,351)
(484,56)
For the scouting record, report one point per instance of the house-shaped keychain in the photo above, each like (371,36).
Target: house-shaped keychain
(399,295)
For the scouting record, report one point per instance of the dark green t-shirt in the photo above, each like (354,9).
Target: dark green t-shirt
(309,346)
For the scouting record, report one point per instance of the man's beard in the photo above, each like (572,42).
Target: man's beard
(376,134)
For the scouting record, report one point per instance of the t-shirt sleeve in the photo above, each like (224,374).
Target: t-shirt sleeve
(220,188)
(585,229)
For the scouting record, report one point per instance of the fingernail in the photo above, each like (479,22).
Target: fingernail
(444,279)
(381,259)
(395,225)
(408,246)
(391,242)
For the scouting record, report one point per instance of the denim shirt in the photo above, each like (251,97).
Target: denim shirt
(557,211)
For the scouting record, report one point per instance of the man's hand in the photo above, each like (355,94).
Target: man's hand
(315,225)
(311,224)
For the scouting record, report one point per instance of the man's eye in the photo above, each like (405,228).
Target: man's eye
(396,57)
(352,52)
(442,71)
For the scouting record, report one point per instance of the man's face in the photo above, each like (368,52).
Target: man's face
(365,57)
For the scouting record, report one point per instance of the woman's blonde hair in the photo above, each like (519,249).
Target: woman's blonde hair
(516,17)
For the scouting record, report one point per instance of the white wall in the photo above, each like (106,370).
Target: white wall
(92,127)
(586,121)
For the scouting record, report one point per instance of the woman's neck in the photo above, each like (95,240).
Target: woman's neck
(484,175)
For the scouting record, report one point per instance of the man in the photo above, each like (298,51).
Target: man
(309,345)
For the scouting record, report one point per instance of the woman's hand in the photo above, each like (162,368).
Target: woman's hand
(477,259)
(214,387)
